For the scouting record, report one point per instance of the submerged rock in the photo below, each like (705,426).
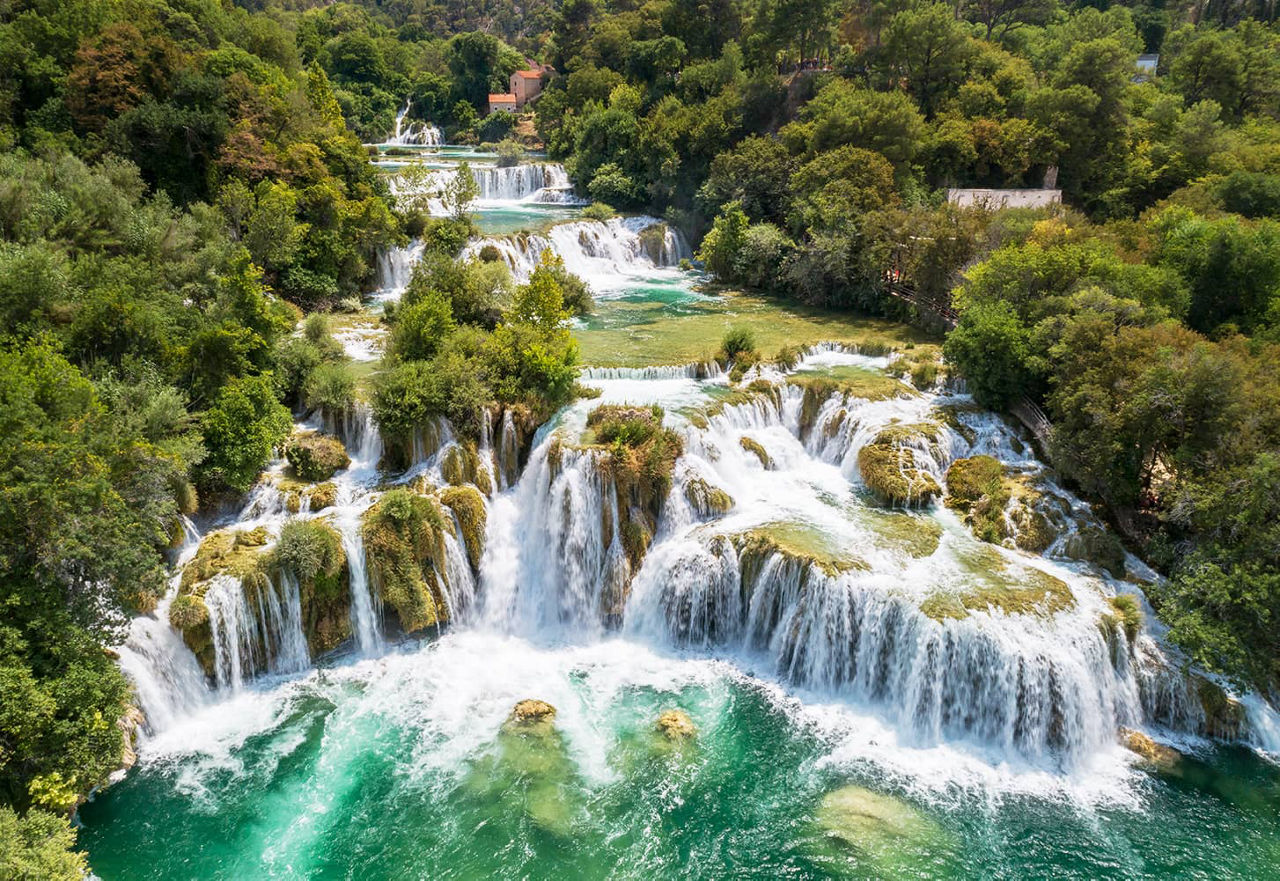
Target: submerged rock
(878,825)
(675,725)
(1157,755)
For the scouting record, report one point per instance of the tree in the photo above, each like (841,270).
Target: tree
(460,191)
(241,429)
(833,190)
(721,245)
(991,349)
(928,49)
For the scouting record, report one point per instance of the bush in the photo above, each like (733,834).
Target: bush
(422,326)
(738,341)
(510,152)
(629,426)
(496,126)
(331,389)
(991,348)
(309,549)
(315,457)
(599,211)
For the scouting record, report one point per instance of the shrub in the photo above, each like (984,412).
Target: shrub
(599,211)
(422,326)
(309,549)
(510,152)
(630,426)
(331,389)
(738,341)
(241,429)
(316,457)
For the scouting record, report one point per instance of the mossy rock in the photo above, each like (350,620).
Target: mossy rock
(969,480)
(323,496)
(312,551)
(753,446)
(1092,544)
(461,465)
(915,535)
(804,544)
(315,457)
(467,505)
(227,552)
(188,612)
(1224,716)
(705,499)
(736,396)
(889,470)
(404,545)
(1002,586)
(675,725)
(531,717)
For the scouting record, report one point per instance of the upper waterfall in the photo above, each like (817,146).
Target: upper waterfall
(422,134)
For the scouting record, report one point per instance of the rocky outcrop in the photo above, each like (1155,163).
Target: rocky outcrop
(467,505)
(1155,755)
(312,552)
(705,499)
(997,584)
(675,725)
(531,717)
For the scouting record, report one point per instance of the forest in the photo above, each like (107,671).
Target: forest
(185,201)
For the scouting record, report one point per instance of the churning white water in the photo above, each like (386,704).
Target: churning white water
(414,133)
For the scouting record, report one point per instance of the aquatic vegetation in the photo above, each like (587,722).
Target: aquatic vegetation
(706,499)
(754,447)
(888,467)
(1001,585)
(804,544)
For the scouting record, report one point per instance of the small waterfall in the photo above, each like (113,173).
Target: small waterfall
(234,626)
(553,554)
(287,648)
(353,499)
(544,183)
(395,269)
(606,254)
(167,680)
(420,134)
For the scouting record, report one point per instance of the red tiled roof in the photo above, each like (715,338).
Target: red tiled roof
(508,96)
(529,74)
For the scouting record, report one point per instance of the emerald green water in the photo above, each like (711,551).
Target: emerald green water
(398,769)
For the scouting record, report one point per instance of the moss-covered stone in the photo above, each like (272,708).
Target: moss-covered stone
(705,499)
(753,447)
(404,545)
(1000,585)
(312,552)
(461,465)
(1092,544)
(227,552)
(888,465)
(188,612)
(324,495)
(804,544)
(880,827)
(1224,716)
(531,717)
(316,457)
(675,725)
(467,505)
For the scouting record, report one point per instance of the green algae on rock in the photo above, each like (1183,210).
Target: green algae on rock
(880,826)
(754,447)
(888,465)
(705,499)
(312,551)
(805,545)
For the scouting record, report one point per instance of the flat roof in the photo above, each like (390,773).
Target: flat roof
(1028,198)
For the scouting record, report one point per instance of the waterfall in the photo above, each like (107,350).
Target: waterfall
(422,134)
(167,680)
(545,183)
(353,499)
(395,269)
(607,254)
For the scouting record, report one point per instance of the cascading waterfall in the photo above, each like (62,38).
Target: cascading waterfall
(395,269)
(353,499)
(420,134)
(606,254)
(536,183)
